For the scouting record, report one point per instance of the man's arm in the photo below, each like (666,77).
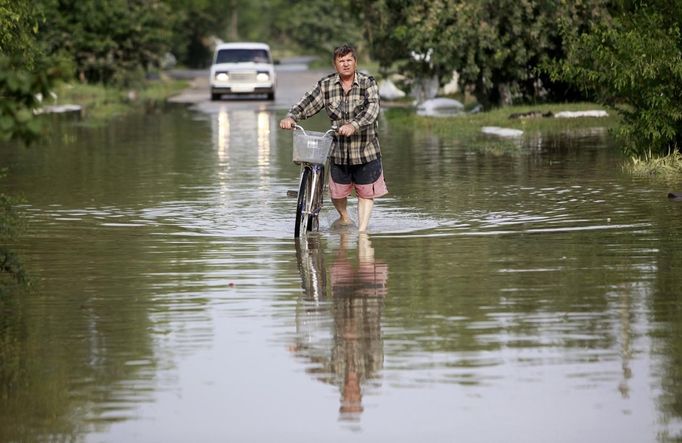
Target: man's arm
(311,103)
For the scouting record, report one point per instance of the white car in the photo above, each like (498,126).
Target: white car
(242,68)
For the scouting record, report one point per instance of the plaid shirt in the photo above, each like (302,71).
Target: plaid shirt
(359,107)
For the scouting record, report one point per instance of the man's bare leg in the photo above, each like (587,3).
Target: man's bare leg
(364,212)
(341,205)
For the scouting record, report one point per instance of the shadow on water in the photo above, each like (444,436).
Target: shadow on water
(351,291)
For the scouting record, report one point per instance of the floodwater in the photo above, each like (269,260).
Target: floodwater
(524,296)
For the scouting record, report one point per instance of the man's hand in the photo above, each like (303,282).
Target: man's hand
(347,130)
(287,123)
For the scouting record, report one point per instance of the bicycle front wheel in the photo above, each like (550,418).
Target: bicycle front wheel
(303,218)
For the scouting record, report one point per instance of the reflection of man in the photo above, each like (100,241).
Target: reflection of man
(367,279)
(358,287)
(358,292)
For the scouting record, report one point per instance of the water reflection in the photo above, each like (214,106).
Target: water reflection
(239,129)
(263,131)
(535,278)
(353,300)
(244,165)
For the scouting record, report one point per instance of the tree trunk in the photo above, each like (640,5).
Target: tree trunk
(233,34)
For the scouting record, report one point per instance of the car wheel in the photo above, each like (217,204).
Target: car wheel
(271,96)
(215,96)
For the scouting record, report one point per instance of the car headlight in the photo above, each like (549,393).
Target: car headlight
(222,76)
(262,77)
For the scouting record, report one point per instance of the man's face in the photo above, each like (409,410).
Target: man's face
(345,65)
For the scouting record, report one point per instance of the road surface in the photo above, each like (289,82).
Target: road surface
(293,80)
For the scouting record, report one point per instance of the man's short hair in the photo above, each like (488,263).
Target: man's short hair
(344,50)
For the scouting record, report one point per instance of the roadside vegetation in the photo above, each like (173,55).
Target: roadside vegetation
(633,63)
(667,167)
(100,103)
(11,225)
(467,127)
(505,118)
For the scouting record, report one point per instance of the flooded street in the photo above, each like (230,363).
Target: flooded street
(524,296)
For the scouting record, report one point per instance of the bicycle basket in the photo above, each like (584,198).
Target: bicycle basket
(311,146)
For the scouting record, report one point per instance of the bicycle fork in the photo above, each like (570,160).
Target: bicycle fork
(313,207)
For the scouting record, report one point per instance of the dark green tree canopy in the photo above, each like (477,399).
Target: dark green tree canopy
(634,64)
(111,41)
(496,46)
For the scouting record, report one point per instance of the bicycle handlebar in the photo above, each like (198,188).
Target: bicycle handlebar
(332,130)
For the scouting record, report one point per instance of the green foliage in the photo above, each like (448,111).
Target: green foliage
(19,87)
(466,128)
(11,224)
(104,103)
(313,26)
(384,29)
(495,45)
(633,64)
(23,71)
(193,23)
(668,167)
(317,26)
(19,23)
(111,41)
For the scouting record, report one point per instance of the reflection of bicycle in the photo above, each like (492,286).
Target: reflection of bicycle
(311,150)
(310,259)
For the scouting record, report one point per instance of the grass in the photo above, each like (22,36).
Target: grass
(467,127)
(501,117)
(665,167)
(103,103)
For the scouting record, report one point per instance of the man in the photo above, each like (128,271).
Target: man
(351,100)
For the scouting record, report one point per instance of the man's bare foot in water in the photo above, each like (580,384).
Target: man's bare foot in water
(342,223)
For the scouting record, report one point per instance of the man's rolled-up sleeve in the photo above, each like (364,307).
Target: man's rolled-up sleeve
(309,105)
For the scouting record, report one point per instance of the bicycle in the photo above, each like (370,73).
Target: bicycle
(311,150)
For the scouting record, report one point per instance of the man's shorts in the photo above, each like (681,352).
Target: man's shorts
(367,180)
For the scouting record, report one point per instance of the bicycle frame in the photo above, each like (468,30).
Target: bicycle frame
(310,200)
(309,203)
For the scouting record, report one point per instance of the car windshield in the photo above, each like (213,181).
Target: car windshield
(242,55)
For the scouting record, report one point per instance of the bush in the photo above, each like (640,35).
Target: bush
(11,223)
(633,65)
(111,42)
(19,89)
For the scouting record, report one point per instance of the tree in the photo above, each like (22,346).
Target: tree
(111,41)
(19,24)
(19,90)
(385,30)
(22,77)
(634,64)
(496,45)
(25,72)
(11,224)
(317,26)
(194,24)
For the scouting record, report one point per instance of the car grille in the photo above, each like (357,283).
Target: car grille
(243,77)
